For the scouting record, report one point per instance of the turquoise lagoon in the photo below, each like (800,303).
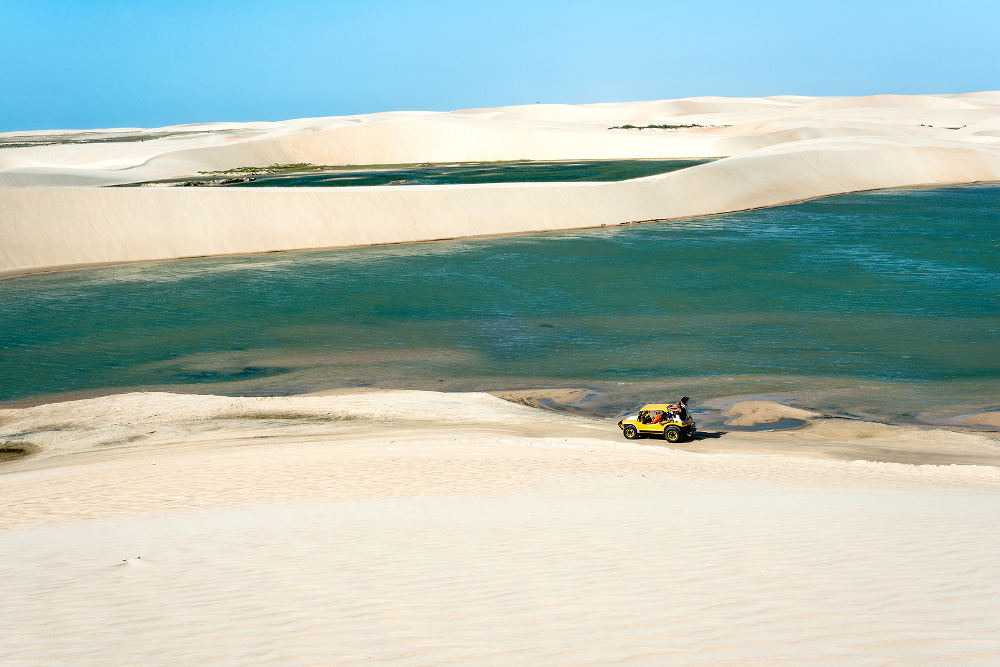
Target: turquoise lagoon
(883,305)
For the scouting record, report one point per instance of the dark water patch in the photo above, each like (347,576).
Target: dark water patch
(245,373)
(520,171)
(784,424)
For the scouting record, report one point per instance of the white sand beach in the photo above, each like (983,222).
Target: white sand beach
(773,150)
(422,528)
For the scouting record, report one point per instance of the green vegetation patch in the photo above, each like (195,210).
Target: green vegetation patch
(271,169)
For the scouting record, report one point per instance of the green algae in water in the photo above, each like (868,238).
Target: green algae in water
(887,300)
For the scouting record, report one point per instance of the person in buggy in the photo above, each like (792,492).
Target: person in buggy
(679,410)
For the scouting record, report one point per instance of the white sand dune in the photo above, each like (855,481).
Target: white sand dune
(775,150)
(383,529)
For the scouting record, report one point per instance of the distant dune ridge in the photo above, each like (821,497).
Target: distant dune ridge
(775,150)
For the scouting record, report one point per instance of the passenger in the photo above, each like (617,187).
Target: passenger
(682,409)
(678,411)
(658,417)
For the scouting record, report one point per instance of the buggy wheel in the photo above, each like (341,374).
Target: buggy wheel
(631,432)
(672,434)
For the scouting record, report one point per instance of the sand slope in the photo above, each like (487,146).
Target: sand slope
(253,535)
(779,150)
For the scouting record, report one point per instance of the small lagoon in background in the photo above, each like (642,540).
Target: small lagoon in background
(882,304)
(513,171)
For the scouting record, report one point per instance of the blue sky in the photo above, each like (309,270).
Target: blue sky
(91,64)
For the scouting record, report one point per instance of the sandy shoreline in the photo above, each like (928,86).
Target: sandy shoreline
(52,434)
(423,527)
(53,212)
(741,417)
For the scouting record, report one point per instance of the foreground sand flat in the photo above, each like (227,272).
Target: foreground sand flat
(423,528)
(775,150)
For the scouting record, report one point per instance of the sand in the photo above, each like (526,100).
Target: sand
(751,413)
(775,150)
(423,528)
(983,419)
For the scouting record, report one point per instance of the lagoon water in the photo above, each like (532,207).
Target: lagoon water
(883,304)
(516,171)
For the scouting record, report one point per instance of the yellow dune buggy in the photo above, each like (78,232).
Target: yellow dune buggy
(656,421)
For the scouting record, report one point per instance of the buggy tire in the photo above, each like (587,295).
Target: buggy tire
(673,434)
(631,432)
